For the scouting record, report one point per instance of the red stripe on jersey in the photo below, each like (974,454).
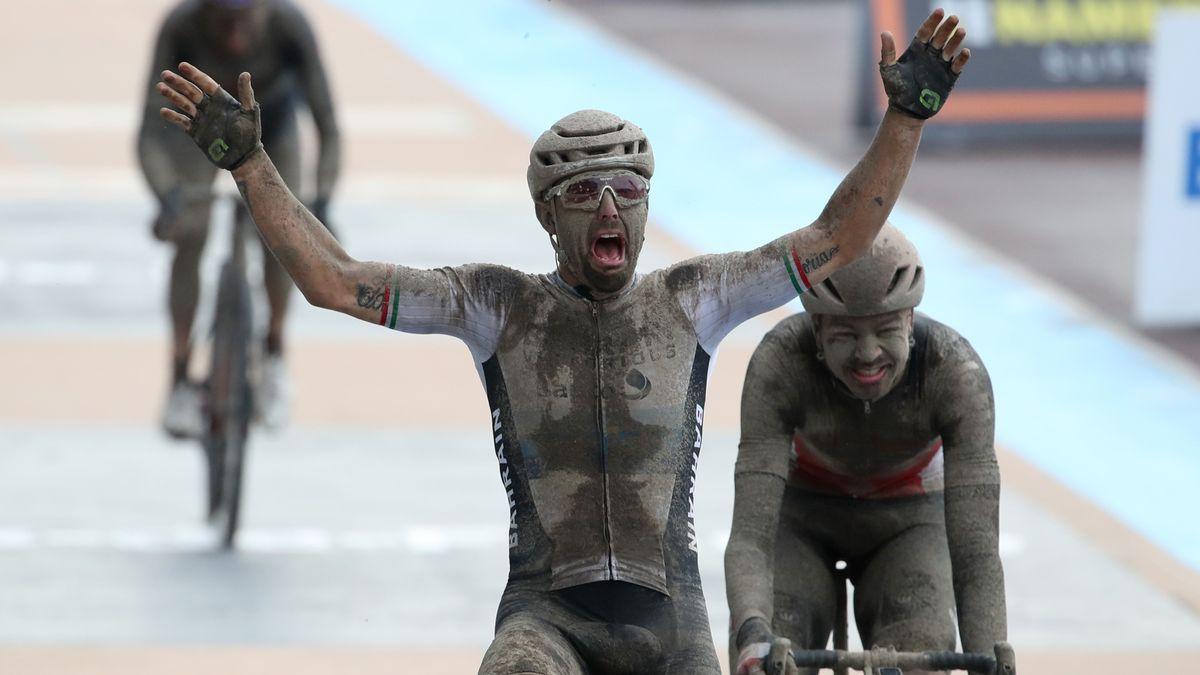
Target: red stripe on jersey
(800,269)
(383,312)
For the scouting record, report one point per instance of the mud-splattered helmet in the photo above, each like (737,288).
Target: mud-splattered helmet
(583,141)
(887,278)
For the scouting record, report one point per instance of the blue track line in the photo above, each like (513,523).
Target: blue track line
(1081,401)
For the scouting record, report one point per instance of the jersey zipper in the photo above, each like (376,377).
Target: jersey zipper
(601,421)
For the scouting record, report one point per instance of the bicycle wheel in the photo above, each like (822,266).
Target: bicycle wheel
(229,402)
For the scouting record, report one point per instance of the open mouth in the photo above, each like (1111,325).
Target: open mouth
(869,375)
(608,249)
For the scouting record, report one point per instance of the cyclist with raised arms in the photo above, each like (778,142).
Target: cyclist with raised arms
(595,375)
(272,39)
(866,438)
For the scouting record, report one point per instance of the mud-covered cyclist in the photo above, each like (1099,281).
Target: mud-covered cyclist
(595,375)
(866,436)
(226,37)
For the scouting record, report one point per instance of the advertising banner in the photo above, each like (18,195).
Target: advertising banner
(1062,67)
(1168,282)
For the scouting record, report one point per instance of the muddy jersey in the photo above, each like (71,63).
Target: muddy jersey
(840,445)
(287,71)
(597,407)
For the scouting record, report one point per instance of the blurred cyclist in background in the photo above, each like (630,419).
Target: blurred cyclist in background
(867,437)
(272,39)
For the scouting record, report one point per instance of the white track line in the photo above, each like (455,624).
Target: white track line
(123,184)
(424,120)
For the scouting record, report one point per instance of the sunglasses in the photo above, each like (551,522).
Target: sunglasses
(585,192)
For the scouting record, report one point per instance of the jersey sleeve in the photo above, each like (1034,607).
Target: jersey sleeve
(721,291)
(314,82)
(469,302)
(158,142)
(759,479)
(966,412)
(770,408)
(972,492)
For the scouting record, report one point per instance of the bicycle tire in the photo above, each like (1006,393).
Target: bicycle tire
(230,406)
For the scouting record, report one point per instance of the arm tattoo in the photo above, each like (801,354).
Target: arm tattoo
(799,270)
(816,262)
(372,296)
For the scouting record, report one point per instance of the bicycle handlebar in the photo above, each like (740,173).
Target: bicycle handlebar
(1000,664)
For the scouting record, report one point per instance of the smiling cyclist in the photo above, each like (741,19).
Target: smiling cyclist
(595,375)
(867,438)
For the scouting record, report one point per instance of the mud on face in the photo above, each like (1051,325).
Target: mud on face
(598,248)
(868,354)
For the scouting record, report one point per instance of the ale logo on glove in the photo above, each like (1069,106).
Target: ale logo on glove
(930,100)
(217,149)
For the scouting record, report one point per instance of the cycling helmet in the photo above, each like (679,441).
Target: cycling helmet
(583,141)
(888,277)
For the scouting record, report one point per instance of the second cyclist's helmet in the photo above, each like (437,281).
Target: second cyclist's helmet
(887,278)
(587,140)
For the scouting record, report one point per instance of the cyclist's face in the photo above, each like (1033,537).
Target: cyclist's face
(866,353)
(234,30)
(599,246)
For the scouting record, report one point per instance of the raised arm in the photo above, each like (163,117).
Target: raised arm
(466,302)
(762,465)
(917,86)
(229,132)
(733,287)
(972,498)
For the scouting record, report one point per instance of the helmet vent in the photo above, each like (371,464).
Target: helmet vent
(589,130)
(896,279)
(828,286)
(916,277)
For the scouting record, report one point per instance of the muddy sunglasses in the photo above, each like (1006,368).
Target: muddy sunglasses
(585,192)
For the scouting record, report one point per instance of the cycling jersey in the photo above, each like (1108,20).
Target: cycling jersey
(597,407)
(841,445)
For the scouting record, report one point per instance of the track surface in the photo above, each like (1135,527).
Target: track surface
(374,525)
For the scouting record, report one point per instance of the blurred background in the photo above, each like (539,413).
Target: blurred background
(1056,202)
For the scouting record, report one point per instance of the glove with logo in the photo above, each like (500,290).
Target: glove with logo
(226,130)
(919,82)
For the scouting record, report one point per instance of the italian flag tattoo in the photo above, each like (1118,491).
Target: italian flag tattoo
(795,270)
(391,300)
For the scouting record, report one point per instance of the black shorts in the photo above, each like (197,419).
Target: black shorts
(602,628)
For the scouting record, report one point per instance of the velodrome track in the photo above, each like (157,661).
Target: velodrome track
(374,524)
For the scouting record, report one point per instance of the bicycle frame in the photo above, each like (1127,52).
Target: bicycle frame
(229,400)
